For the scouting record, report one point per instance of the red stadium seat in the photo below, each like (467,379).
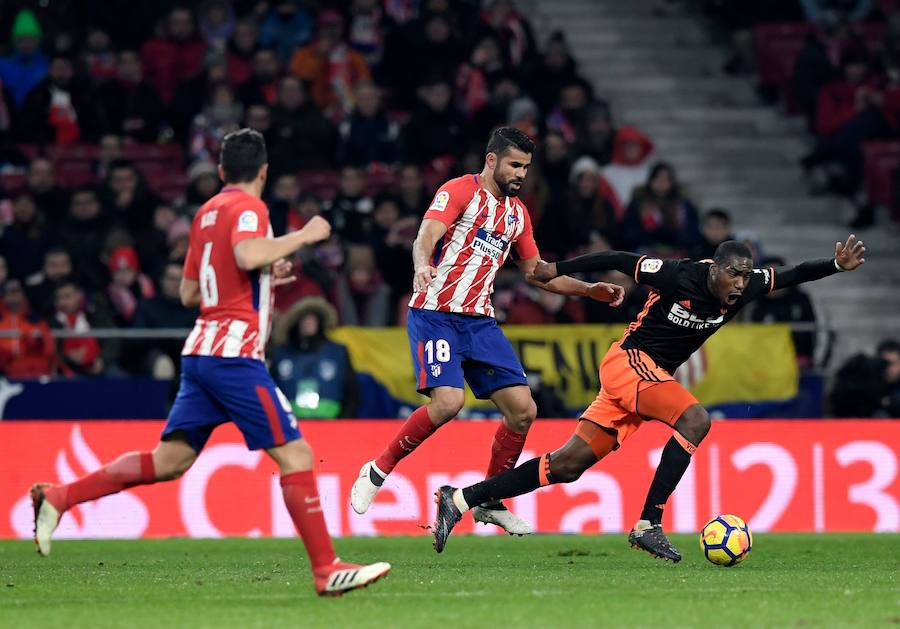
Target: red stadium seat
(882,161)
(72,152)
(13,183)
(75,173)
(777,46)
(380,180)
(322,183)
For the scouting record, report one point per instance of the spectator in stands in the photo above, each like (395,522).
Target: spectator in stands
(503,91)
(259,118)
(714,230)
(818,63)
(262,86)
(152,245)
(889,353)
(821,11)
(286,27)
(789,305)
(60,110)
(31,353)
(307,206)
(437,128)
(591,210)
(570,115)
(163,310)
(660,217)
(431,49)
(476,75)
(83,235)
(27,66)
(4,270)
(305,139)
(203,184)
(51,198)
(330,66)
(175,54)
(532,306)
(511,30)
(283,200)
(177,238)
(630,165)
(362,296)
(392,239)
(42,286)
(191,96)
(217,23)
(128,286)
(99,58)
(27,239)
(412,194)
(240,51)
(132,106)
(350,213)
(126,195)
(525,115)
(555,69)
(81,355)
(314,373)
(221,115)
(368,135)
(597,138)
(367,30)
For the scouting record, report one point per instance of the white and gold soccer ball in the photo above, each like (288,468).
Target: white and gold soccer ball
(726,540)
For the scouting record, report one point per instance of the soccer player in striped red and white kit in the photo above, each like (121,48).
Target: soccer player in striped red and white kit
(233,262)
(472,225)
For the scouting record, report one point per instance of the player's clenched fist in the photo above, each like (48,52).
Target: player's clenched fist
(613,294)
(423,277)
(317,229)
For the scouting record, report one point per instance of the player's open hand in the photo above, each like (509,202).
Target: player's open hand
(423,277)
(545,271)
(317,229)
(613,294)
(281,272)
(850,254)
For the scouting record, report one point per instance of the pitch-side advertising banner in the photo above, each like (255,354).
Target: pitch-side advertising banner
(780,475)
(567,357)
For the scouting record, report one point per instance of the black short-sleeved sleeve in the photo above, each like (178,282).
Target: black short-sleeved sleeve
(760,283)
(658,273)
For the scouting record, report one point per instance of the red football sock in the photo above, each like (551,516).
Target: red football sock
(301,497)
(415,430)
(130,469)
(505,450)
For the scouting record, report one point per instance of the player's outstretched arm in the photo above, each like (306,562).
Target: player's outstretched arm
(430,231)
(602,261)
(255,253)
(613,294)
(848,256)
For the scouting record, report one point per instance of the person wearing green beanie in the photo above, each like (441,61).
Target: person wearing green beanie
(26,66)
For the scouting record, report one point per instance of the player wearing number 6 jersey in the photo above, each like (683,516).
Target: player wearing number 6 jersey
(233,263)
(471,227)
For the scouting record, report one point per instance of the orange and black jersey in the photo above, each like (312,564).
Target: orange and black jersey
(681,312)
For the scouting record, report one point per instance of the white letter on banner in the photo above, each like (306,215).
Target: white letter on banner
(870,493)
(329,486)
(607,510)
(463,479)
(192,493)
(684,498)
(784,480)
(405,506)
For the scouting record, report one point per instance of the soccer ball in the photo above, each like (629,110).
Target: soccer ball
(726,540)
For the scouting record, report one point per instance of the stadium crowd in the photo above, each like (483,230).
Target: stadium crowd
(112,114)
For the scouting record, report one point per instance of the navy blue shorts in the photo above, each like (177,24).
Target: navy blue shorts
(217,390)
(449,349)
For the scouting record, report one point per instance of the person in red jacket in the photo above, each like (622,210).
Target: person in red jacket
(175,54)
(32,353)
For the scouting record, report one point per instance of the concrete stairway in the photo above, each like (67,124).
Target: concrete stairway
(661,72)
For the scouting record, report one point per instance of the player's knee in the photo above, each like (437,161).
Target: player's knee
(693,424)
(173,469)
(521,419)
(446,405)
(566,469)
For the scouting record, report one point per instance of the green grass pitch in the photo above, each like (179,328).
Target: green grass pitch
(541,581)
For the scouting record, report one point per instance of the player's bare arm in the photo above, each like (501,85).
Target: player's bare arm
(430,231)
(613,294)
(189,291)
(848,256)
(255,253)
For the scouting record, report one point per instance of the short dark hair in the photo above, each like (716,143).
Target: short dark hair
(57,250)
(718,213)
(731,249)
(505,138)
(888,345)
(243,153)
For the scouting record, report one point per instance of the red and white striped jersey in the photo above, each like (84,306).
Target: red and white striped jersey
(480,231)
(235,305)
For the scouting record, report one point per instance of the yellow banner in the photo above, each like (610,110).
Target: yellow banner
(740,363)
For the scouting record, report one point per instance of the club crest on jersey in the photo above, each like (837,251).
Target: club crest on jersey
(511,219)
(651,265)
(679,315)
(492,245)
(436,371)
(440,201)
(248,221)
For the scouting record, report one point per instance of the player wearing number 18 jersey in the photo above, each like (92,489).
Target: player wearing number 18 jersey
(688,302)
(473,224)
(232,265)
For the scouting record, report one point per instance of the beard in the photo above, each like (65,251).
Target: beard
(506,187)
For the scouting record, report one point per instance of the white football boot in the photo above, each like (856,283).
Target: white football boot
(46,519)
(504,518)
(340,577)
(364,488)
